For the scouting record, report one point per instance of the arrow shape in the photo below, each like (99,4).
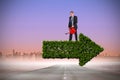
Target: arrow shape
(84,49)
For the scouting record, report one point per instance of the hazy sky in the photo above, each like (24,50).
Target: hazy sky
(24,24)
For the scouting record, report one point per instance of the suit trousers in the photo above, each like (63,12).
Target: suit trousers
(70,36)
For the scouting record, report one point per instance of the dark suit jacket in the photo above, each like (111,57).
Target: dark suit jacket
(74,23)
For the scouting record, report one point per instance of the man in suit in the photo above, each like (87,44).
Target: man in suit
(73,24)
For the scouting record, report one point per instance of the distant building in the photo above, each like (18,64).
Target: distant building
(0,54)
(14,53)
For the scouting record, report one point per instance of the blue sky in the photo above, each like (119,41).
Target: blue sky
(26,23)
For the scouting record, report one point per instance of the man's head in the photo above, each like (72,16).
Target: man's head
(71,13)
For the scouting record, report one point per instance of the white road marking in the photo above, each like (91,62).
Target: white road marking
(65,77)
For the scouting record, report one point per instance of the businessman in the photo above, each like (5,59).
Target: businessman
(73,24)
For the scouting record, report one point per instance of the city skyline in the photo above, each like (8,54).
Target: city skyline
(25,24)
(19,53)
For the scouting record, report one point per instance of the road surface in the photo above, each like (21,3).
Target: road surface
(61,72)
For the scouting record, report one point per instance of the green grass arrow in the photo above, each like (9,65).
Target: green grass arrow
(84,49)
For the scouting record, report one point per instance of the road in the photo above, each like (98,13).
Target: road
(61,72)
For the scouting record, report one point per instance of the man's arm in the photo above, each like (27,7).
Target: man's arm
(75,20)
(69,23)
